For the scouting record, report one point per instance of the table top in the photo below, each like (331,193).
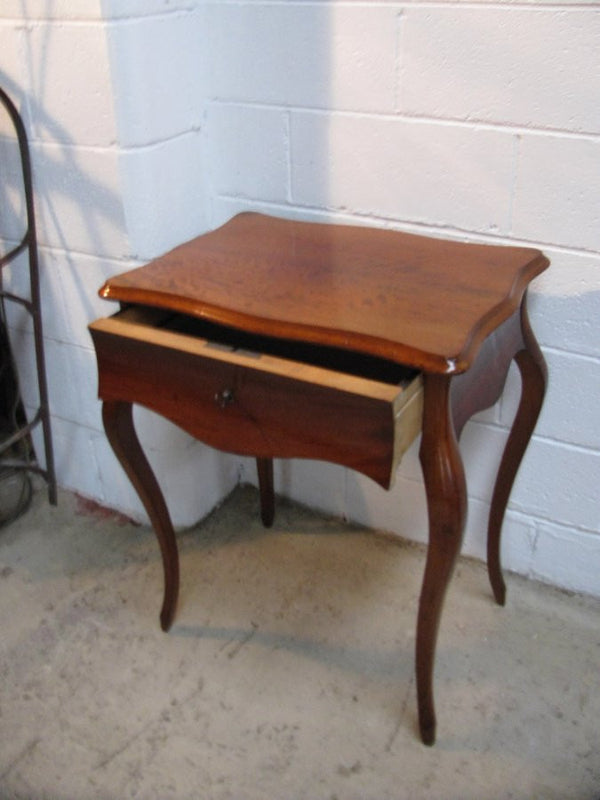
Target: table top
(424,302)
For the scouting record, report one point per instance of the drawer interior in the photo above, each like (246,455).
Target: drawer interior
(230,339)
(293,399)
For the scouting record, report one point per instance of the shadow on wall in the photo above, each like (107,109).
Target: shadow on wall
(76,211)
(76,215)
(69,195)
(269,75)
(277,144)
(83,236)
(552,526)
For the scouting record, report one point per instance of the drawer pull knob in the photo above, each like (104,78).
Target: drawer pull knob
(224,398)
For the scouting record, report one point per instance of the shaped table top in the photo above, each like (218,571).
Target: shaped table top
(424,302)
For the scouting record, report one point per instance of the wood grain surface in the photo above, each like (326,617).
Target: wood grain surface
(423,302)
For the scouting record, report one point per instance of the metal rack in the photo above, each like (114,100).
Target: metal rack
(16,452)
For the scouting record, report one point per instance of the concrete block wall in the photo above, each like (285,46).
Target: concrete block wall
(154,120)
(472,121)
(118,173)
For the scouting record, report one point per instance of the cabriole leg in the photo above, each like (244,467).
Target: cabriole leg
(446,491)
(118,424)
(533,386)
(264,468)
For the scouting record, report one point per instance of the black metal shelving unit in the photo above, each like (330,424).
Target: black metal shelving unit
(17,456)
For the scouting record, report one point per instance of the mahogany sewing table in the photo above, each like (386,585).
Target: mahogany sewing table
(275,338)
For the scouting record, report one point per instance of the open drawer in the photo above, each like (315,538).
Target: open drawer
(261,396)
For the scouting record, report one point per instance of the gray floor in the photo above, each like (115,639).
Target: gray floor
(288,672)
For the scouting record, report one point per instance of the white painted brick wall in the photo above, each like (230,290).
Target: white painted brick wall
(154,120)
(316,55)
(474,121)
(527,67)
(72,106)
(553,203)
(158,66)
(236,131)
(119,176)
(416,170)
(163,184)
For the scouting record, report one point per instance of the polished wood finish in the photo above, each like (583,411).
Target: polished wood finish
(446,491)
(255,404)
(118,424)
(264,468)
(532,366)
(423,302)
(457,312)
(449,404)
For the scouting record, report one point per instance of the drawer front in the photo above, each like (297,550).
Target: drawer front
(233,403)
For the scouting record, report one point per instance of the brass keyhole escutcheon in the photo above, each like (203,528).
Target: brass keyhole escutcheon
(224,398)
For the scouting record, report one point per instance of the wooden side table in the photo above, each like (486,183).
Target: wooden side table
(275,338)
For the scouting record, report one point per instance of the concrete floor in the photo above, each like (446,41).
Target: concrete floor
(289,670)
